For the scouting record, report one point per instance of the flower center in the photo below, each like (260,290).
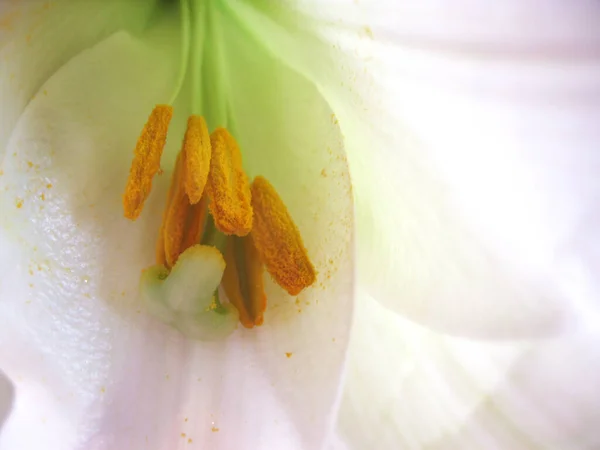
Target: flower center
(213,214)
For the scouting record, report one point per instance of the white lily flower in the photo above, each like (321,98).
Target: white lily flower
(471,136)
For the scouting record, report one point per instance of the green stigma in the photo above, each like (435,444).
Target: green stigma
(187,296)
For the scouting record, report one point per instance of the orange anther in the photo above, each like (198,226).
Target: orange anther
(278,240)
(243,280)
(196,220)
(146,161)
(228,186)
(175,215)
(196,147)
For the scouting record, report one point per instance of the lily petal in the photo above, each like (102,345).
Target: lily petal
(73,340)
(472,146)
(37,37)
(411,387)
(472,142)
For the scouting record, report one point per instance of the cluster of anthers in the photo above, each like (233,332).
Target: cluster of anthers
(227,227)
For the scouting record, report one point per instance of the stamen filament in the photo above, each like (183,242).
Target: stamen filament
(146,161)
(228,186)
(186,21)
(278,240)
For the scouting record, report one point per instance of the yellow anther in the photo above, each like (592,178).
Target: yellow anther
(196,221)
(243,280)
(146,161)
(183,222)
(161,257)
(228,186)
(176,215)
(278,240)
(196,147)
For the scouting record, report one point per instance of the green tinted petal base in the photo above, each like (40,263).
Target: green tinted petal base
(185,297)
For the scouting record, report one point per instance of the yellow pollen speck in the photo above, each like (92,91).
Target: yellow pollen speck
(228,186)
(49,185)
(183,435)
(146,161)
(214,429)
(288,354)
(19,203)
(213,305)
(189,440)
(197,151)
(278,240)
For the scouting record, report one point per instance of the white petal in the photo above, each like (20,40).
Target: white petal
(102,375)
(409,387)
(67,295)
(472,152)
(38,37)
(472,142)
